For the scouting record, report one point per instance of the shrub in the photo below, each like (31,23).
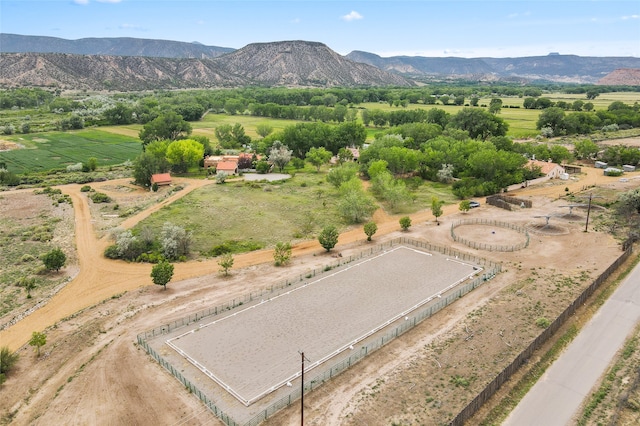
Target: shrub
(74,167)
(85,188)
(54,259)
(282,253)
(262,167)
(100,197)
(370,228)
(543,322)
(7,360)
(328,237)
(405,222)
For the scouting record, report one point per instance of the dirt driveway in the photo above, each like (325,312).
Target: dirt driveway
(94,373)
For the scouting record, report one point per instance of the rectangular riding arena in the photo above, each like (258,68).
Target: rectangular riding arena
(245,357)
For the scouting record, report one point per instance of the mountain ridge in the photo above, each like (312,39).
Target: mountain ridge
(170,64)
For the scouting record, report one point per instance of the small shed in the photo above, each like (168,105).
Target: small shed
(600,165)
(629,168)
(161,179)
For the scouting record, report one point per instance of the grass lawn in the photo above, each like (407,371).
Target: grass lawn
(51,150)
(254,212)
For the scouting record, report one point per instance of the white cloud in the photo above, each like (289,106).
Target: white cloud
(518,15)
(295,21)
(351,16)
(624,18)
(81,1)
(131,27)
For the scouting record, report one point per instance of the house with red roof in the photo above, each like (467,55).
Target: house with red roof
(161,179)
(229,167)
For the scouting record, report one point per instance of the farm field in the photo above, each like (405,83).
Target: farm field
(55,150)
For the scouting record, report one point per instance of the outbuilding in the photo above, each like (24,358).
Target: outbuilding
(161,179)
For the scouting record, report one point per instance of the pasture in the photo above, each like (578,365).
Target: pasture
(57,150)
(260,214)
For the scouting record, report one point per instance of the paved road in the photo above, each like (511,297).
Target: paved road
(557,396)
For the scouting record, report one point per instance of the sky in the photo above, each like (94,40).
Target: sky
(432,28)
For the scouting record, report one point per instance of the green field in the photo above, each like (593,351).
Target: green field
(266,213)
(258,213)
(53,150)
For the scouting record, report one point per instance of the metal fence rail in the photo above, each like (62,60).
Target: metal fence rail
(490,247)
(491,269)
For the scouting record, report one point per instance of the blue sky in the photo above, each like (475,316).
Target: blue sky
(471,28)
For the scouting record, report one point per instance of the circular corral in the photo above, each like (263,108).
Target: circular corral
(490,235)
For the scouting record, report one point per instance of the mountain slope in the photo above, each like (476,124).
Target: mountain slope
(561,68)
(96,72)
(122,46)
(623,76)
(301,63)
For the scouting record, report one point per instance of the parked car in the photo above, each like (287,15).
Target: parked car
(474,204)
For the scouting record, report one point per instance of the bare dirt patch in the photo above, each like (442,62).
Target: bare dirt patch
(8,145)
(624,141)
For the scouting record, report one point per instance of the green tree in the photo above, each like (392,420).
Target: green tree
(264,129)
(436,208)
(184,153)
(38,340)
(146,165)
(92,163)
(585,149)
(553,118)
(223,134)
(376,168)
(29,283)
(318,157)
(282,253)
(629,202)
(161,273)
(341,174)
(328,237)
(592,94)
(54,259)
(370,228)
(405,222)
(495,105)
(355,205)
(464,206)
(344,155)
(119,114)
(480,124)
(168,126)
(226,262)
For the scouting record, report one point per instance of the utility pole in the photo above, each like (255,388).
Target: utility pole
(586,225)
(591,196)
(302,390)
